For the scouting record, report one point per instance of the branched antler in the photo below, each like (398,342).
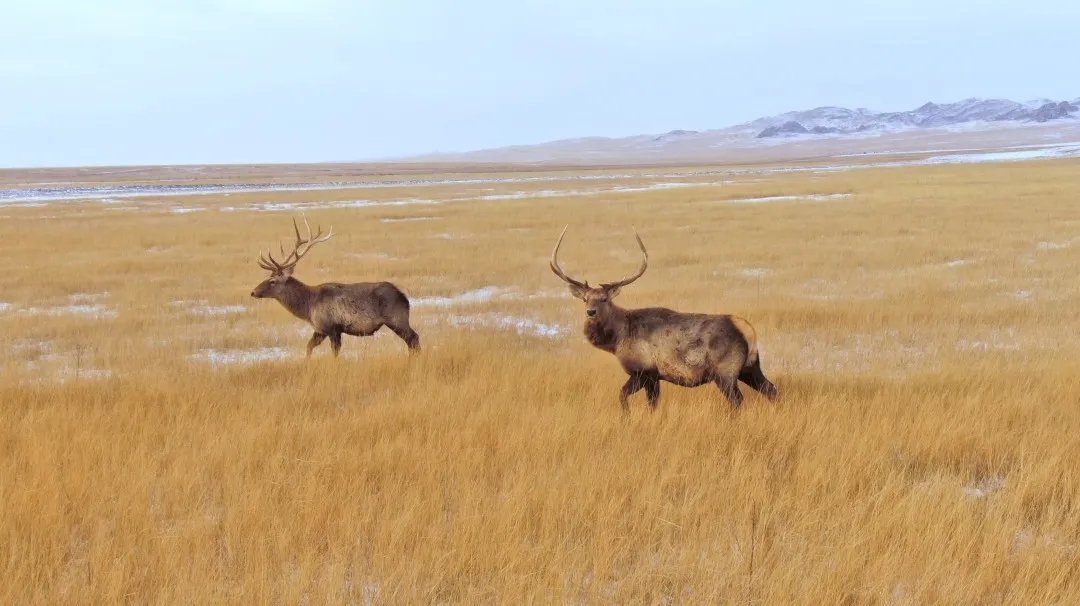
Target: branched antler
(301,248)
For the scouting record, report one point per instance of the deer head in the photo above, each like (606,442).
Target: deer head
(281,272)
(597,298)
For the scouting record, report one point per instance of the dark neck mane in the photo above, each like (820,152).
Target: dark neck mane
(296,297)
(605,333)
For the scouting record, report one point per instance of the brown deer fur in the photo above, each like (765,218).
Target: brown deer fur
(334,309)
(656,344)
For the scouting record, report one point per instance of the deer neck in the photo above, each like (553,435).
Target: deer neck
(296,297)
(606,332)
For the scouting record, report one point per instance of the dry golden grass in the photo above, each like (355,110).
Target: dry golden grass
(923,333)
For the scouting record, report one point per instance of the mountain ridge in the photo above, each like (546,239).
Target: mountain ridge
(842,120)
(803,133)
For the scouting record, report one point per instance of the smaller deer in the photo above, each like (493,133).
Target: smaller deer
(334,309)
(656,344)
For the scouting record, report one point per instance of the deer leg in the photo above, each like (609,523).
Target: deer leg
(652,389)
(335,343)
(316,340)
(408,335)
(752,376)
(730,388)
(632,386)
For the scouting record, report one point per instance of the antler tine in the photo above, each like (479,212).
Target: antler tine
(640,272)
(296,228)
(555,263)
(268,263)
(303,246)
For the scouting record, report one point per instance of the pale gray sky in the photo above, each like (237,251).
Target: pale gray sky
(90,82)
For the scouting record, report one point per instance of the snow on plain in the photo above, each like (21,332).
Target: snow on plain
(498,320)
(202,307)
(113,192)
(619,189)
(219,357)
(808,198)
(484,294)
(502,321)
(1056,151)
(81,304)
(470,297)
(406,219)
(957,263)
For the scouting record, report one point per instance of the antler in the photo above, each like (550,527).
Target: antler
(644,264)
(301,248)
(555,263)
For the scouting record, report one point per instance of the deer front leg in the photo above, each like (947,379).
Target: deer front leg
(632,386)
(316,339)
(335,343)
(652,389)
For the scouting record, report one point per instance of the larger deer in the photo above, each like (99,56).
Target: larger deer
(334,309)
(655,344)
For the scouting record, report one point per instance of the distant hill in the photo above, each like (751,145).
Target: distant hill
(841,120)
(822,130)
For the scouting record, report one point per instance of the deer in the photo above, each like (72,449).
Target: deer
(334,309)
(656,344)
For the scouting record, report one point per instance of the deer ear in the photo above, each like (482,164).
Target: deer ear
(612,291)
(577,291)
(286,273)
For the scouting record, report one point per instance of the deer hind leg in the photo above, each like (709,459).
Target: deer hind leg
(752,376)
(316,339)
(729,386)
(335,342)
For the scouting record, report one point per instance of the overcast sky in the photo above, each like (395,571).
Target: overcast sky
(96,82)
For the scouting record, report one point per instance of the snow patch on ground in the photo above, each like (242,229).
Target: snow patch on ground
(809,198)
(957,263)
(332,204)
(4,306)
(182,210)
(470,297)
(84,297)
(372,255)
(521,325)
(111,192)
(482,295)
(1004,340)
(83,304)
(984,487)
(66,371)
(219,357)
(1058,151)
(752,272)
(1052,245)
(406,219)
(202,307)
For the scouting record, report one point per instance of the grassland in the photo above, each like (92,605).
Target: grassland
(922,331)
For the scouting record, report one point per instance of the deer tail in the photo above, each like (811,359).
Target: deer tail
(750,336)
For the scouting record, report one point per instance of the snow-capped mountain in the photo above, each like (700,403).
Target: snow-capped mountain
(833,120)
(812,132)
